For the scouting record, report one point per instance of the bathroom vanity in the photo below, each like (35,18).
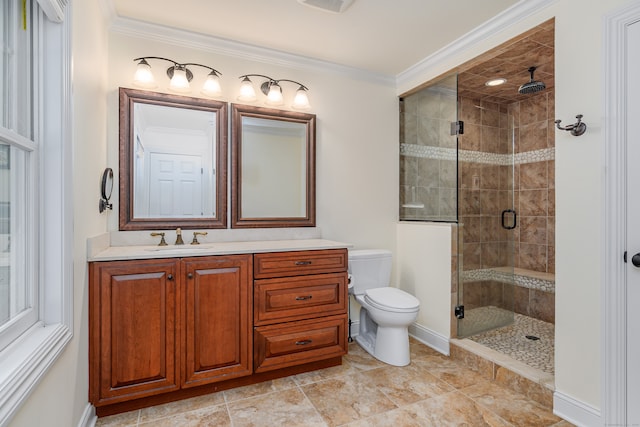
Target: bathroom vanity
(171,323)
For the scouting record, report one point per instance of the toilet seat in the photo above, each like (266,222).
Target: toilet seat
(391,299)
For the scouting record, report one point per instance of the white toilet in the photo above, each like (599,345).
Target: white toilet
(386,312)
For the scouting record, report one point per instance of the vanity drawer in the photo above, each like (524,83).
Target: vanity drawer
(300,297)
(298,263)
(283,345)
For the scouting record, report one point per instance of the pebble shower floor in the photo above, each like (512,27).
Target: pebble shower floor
(512,339)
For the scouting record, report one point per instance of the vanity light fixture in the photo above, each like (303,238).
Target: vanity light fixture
(496,82)
(179,74)
(272,89)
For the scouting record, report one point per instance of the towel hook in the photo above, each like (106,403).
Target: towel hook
(576,129)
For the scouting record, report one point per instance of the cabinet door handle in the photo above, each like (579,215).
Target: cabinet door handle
(304,342)
(303,298)
(303,262)
(170,277)
(190,276)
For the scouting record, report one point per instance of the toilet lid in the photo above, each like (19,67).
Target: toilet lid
(391,299)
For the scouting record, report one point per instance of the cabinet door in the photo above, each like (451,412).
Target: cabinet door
(133,342)
(217,313)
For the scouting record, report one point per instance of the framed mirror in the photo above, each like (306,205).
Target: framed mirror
(273,171)
(173,161)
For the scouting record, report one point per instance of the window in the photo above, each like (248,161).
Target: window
(18,156)
(35,211)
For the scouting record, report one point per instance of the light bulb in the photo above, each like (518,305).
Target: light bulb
(179,81)
(143,76)
(247,92)
(211,86)
(275,95)
(301,100)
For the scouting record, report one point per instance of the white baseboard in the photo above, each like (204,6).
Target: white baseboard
(428,337)
(424,335)
(89,417)
(574,411)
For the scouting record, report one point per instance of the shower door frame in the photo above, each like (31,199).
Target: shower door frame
(486,257)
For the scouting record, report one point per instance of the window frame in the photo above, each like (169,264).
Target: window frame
(25,361)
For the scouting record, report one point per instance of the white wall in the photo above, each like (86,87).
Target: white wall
(424,270)
(61,397)
(579,168)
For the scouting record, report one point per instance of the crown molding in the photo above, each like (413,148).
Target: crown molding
(511,16)
(220,46)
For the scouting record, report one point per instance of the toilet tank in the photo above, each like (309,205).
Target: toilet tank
(369,268)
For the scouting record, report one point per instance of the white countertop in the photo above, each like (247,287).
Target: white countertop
(221,248)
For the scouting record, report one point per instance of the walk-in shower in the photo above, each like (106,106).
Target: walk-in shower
(481,157)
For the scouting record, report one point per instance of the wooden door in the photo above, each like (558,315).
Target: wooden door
(216,317)
(133,330)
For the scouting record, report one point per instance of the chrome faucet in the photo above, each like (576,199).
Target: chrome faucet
(179,240)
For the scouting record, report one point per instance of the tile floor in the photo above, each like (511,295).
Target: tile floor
(433,390)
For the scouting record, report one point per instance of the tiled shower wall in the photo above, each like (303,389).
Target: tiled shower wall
(535,182)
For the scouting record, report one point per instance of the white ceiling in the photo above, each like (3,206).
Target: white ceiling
(380,36)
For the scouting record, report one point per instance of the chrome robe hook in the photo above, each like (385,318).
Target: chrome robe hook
(576,129)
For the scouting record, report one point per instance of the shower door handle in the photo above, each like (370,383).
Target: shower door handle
(504,219)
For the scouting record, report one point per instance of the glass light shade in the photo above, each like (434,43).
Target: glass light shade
(301,100)
(247,91)
(143,76)
(211,86)
(275,95)
(496,82)
(179,82)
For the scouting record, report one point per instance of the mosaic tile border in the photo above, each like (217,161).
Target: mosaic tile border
(444,153)
(507,277)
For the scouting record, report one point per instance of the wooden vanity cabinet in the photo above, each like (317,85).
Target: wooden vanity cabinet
(133,329)
(300,307)
(217,319)
(158,326)
(168,329)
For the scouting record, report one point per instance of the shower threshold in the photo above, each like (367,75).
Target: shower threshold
(508,356)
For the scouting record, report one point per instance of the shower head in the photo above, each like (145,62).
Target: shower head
(531,86)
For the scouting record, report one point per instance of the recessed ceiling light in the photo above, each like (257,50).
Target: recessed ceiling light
(496,82)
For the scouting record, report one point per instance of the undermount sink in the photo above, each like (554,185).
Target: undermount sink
(178,248)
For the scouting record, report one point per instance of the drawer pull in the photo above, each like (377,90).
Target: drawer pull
(304,342)
(304,298)
(303,262)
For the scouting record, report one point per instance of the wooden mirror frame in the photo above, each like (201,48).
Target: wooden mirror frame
(309,120)
(126,219)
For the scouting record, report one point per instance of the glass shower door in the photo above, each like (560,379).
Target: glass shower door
(428,153)
(487,218)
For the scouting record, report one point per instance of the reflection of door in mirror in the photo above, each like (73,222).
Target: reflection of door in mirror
(274,177)
(174,160)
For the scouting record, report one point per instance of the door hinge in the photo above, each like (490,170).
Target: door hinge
(625,256)
(457,128)
(459,311)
